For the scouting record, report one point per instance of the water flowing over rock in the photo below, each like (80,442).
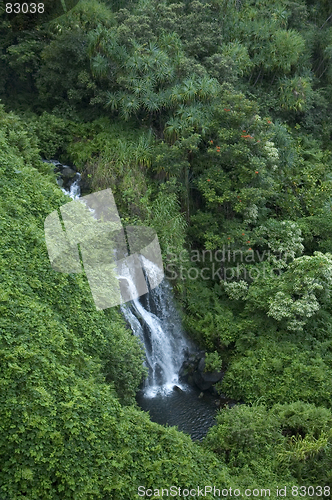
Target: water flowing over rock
(155,320)
(152,317)
(68,179)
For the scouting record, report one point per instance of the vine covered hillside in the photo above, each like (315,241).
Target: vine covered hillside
(65,432)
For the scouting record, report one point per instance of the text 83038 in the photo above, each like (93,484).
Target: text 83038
(25,8)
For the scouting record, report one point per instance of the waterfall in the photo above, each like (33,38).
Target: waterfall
(154,319)
(75,189)
(72,183)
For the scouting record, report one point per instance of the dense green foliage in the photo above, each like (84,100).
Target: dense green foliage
(64,432)
(210,121)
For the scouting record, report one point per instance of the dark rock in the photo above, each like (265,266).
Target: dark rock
(64,170)
(177,388)
(192,372)
(208,377)
(186,353)
(201,365)
(212,377)
(56,165)
(68,172)
(200,355)
(214,391)
(200,382)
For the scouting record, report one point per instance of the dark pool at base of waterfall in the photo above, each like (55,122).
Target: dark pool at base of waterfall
(191,414)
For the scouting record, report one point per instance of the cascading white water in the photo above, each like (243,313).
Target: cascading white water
(75,190)
(154,319)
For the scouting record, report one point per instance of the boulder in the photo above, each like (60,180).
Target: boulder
(193,372)
(200,382)
(177,388)
(67,172)
(204,379)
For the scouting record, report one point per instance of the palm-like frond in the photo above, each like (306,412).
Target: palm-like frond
(138,47)
(164,98)
(99,66)
(113,99)
(173,128)
(92,41)
(149,80)
(94,38)
(165,70)
(189,90)
(123,152)
(135,62)
(129,104)
(151,102)
(167,74)
(141,87)
(176,95)
(170,42)
(208,88)
(119,54)
(160,59)
(153,50)
(192,115)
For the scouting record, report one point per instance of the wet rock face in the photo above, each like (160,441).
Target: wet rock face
(193,372)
